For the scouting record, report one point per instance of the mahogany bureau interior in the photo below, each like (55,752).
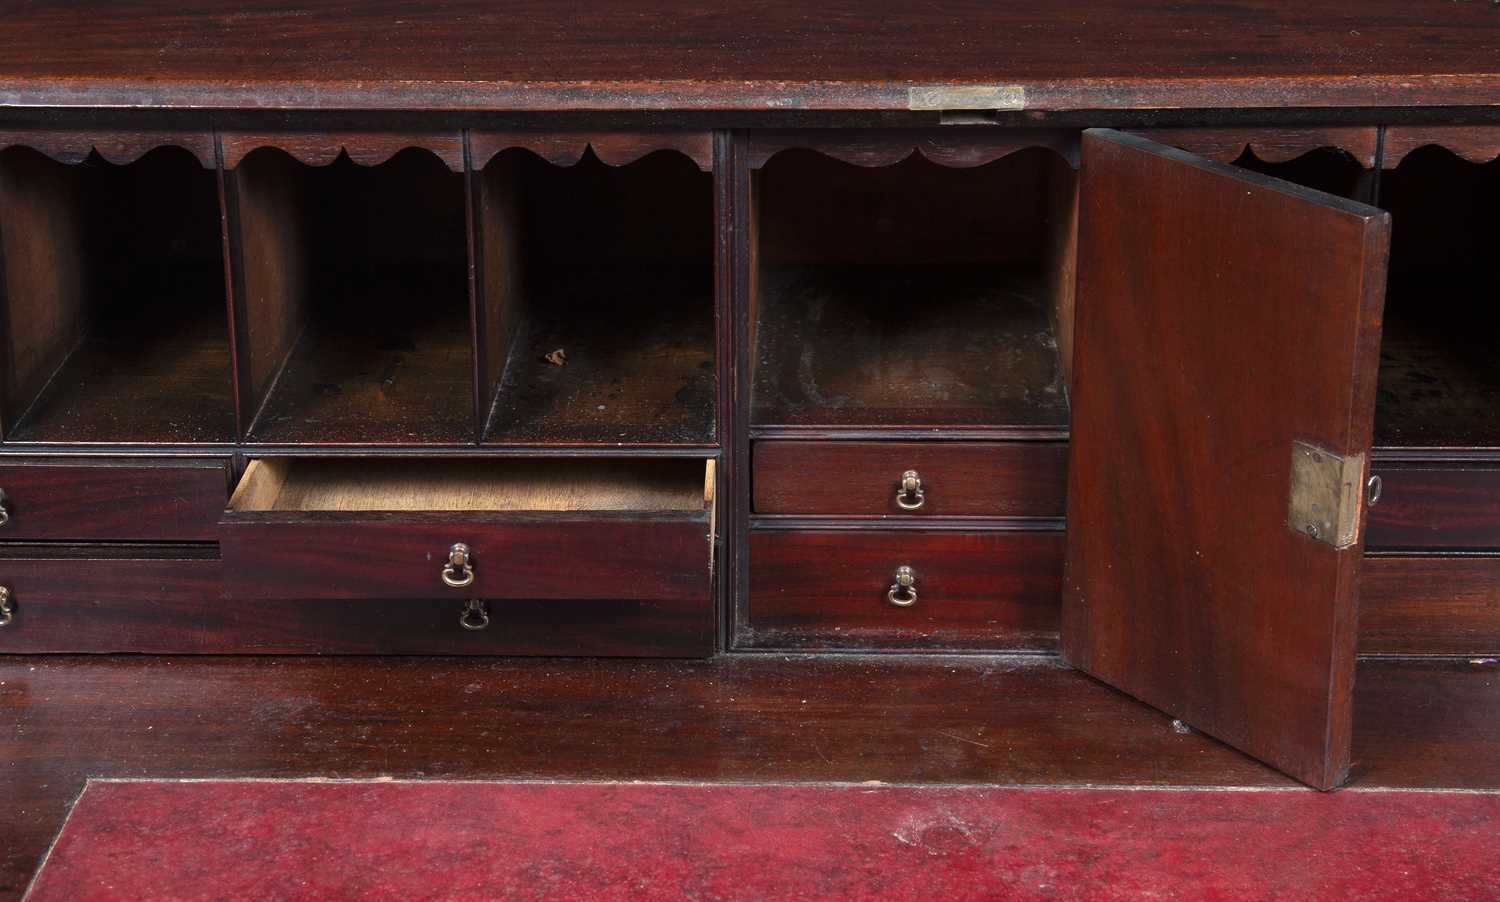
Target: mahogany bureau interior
(417,381)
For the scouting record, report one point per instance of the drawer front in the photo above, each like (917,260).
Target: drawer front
(1430,604)
(173,606)
(66,601)
(626,557)
(104,500)
(832,589)
(958,479)
(1435,507)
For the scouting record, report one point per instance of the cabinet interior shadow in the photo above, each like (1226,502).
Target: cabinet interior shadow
(354,307)
(597,300)
(115,326)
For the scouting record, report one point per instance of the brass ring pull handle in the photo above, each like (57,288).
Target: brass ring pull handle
(903,592)
(4,508)
(7,610)
(1373,489)
(475,615)
(909,494)
(459,571)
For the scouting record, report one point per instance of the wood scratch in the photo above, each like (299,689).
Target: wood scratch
(983,745)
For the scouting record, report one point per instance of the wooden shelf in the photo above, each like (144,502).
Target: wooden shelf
(389,364)
(893,346)
(638,346)
(156,370)
(1439,373)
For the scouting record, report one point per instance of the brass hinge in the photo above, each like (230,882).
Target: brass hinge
(1327,494)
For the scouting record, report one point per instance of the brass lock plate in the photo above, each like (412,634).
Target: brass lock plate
(1327,494)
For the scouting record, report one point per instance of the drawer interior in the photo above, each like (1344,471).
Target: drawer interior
(307,484)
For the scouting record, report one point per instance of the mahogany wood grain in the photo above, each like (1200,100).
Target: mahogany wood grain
(955,147)
(1430,604)
(164,600)
(1270,145)
(82,499)
(1184,585)
(365,148)
(613,148)
(601,555)
(1475,143)
(499,279)
(1436,506)
(117,146)
(271,259)
(662,54)
(742,718)
(826,589)
(959,479)
(42,252)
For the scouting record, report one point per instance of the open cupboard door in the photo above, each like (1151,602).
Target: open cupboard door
(1226,349)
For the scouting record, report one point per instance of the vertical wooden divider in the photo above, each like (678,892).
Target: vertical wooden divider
(495,193)
(268,242)
(232,267)
(42,274)
(734,199)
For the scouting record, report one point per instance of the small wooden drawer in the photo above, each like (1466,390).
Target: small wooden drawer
(1436,506)
(107,598)
(956,479)
(839,588)
(112,499)
(497,529)
(162,600)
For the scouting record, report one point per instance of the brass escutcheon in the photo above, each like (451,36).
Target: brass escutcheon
(903,592)
(4,508)
(475,615)
(459,571)
(7,610)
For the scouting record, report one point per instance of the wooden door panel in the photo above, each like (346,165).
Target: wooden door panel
(1222,316)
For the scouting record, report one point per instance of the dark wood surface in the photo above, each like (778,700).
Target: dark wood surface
(103,499)
(1475,143)
(467,54)
(1430,604)
(374,555)
(354,301)
(637,364)
(366,148)
(826,589)
(744,718)
(1435,505)
(959,479)
(155,599)
(957,347)
(613,148)
(952,147)
(1269,145)
(115,145)
(1184,584)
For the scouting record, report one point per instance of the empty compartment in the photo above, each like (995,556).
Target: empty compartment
(115,328)
(1439,373)
(913,295)
(354,307)
(597,313)
(501,529)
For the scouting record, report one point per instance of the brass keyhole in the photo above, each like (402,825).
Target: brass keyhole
(4,508)
(7,607)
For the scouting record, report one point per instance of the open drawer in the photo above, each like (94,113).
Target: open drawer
(302,528)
